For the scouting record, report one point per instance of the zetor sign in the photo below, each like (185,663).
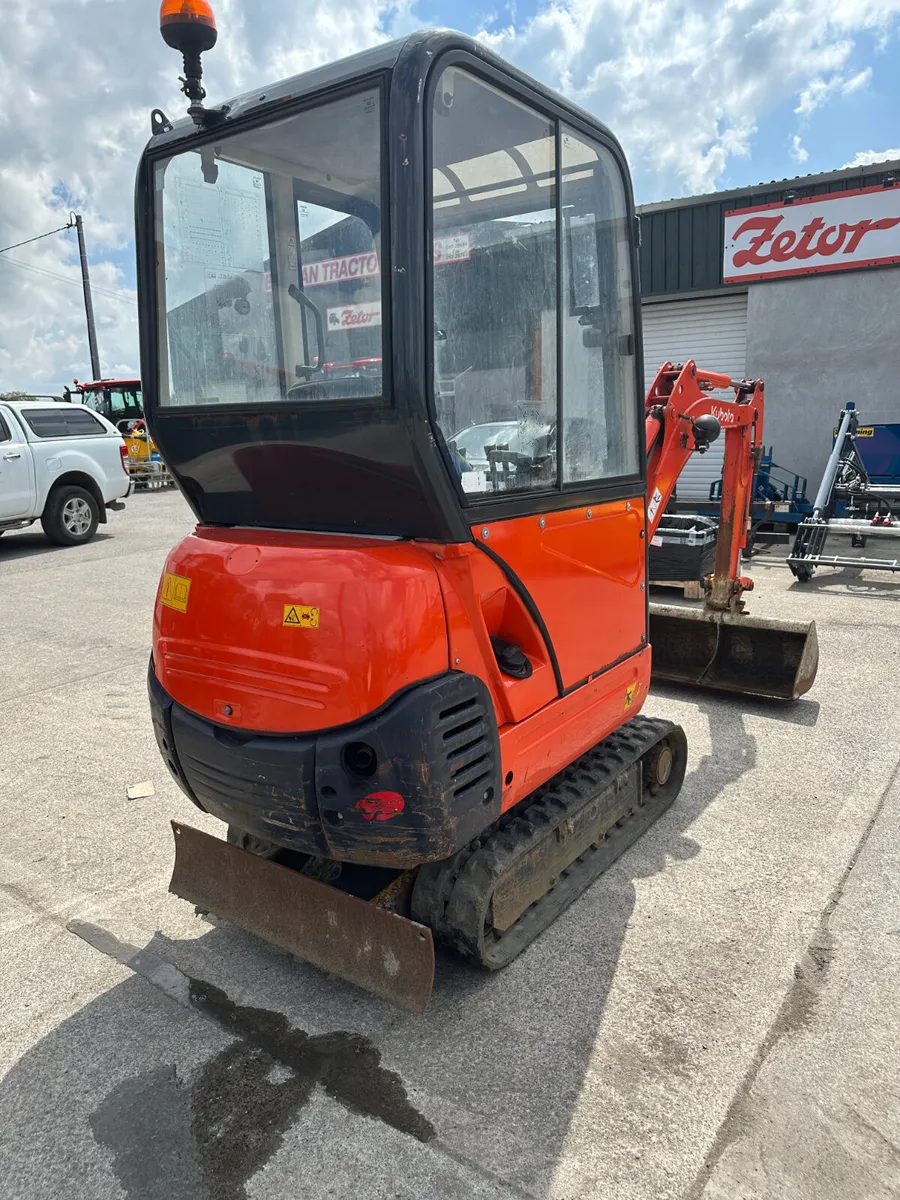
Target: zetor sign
(354,316)
(822,233)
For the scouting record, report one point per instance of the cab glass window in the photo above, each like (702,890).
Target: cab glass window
(271,264)
(511,331)
(600,413)
(98,400)
(494,286)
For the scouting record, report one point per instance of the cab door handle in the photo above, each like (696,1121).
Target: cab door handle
(10,457)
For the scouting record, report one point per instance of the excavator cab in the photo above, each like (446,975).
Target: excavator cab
(351,279)
(391,355)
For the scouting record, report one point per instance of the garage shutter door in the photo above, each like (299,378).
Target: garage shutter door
(713,333)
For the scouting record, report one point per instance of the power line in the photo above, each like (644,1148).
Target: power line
(13,262)
(65,279)
(28,241)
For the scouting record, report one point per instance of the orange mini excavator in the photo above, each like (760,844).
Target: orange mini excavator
(391,352)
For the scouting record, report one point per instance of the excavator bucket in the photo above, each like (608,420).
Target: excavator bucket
(733,652)
(359,941)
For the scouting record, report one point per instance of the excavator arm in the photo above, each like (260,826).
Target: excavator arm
(683,419)
(719,646)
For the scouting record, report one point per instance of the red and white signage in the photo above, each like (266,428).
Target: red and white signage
(354,316)
(334,270)
(821,233)
(455,248)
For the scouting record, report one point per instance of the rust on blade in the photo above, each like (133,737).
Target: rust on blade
(364,944)
(732,652)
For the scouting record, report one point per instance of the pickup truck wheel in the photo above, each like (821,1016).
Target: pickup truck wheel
(71,516)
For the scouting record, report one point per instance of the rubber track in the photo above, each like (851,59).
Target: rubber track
(454,897)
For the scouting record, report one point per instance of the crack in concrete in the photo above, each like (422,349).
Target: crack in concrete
(797,1008)
(71,681)
(880,1137)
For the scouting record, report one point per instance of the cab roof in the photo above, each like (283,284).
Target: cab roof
(99,384)
(417,49)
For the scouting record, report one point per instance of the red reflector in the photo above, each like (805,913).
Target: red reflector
(381,806)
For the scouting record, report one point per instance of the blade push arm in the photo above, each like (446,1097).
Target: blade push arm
(681,418)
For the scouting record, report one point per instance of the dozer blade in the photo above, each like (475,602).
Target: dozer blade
(733,652)
(369,946)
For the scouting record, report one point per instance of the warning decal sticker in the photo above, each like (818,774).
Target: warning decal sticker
(630,694)
(174,592)
(301,616)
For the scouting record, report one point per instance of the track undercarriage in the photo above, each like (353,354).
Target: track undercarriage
(487,903)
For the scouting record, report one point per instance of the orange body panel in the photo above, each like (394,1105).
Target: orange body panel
(480,605)
(381,627)
(587,577)
(536,749)
(376,616)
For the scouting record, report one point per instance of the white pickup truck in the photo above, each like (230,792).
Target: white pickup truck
(61,464)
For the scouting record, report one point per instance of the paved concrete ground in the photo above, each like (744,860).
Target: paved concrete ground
(717,1017)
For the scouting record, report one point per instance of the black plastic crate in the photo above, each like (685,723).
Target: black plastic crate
(683,548)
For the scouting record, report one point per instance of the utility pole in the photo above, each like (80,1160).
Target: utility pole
(88,302)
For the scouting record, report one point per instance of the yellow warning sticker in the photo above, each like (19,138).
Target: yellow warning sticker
(863,431)
(301,616)
(630,693)
(175,591)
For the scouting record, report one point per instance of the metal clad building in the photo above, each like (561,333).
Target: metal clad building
(822,328)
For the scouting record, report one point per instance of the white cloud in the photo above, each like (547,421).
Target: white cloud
(683,85)
(866,157)
(77,83)
(818,91)
(798,151)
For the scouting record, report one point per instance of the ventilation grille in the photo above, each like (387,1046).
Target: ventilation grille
(466,738)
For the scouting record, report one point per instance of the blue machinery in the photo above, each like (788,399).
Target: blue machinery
(856,498)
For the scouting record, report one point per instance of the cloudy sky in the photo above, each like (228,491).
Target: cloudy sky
(704,94)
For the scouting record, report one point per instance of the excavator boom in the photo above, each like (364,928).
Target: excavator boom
(720,646)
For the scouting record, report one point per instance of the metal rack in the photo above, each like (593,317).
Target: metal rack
(846,483)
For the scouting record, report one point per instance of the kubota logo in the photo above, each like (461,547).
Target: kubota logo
(725,416)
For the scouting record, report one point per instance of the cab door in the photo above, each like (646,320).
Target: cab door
(15,471)
(534,319)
